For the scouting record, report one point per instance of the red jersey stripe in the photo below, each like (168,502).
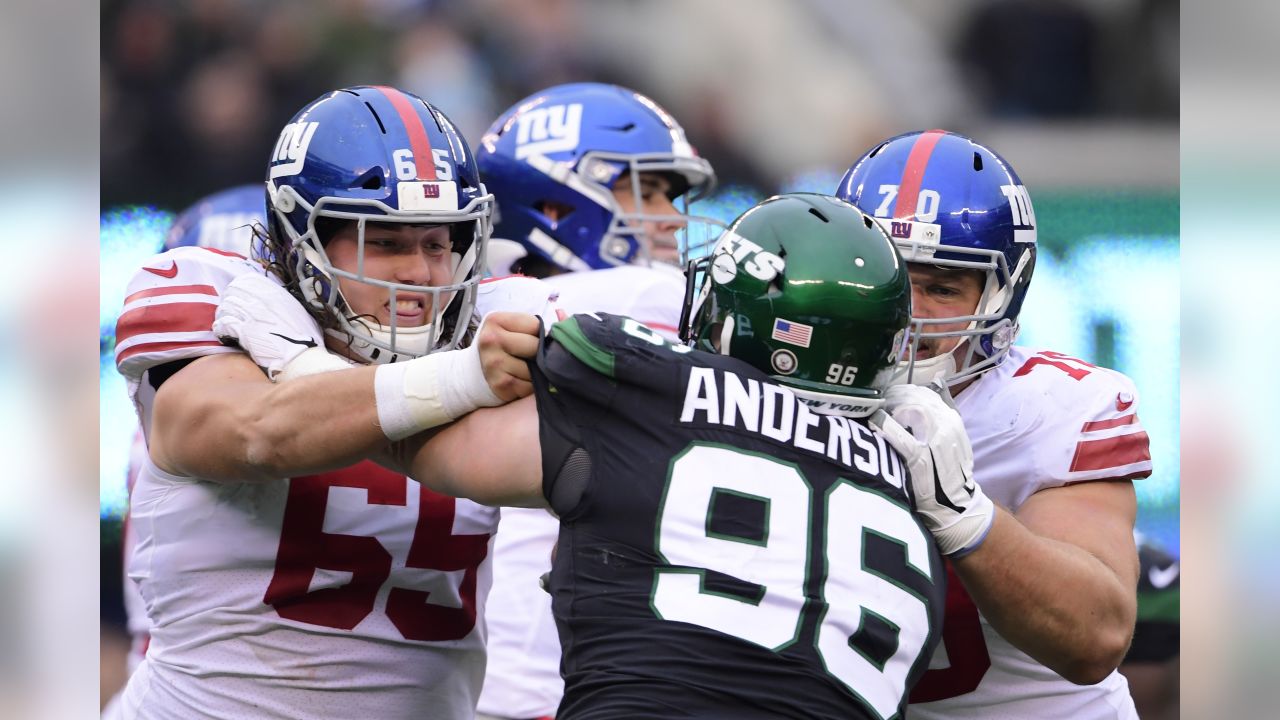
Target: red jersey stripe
(1111,452)
(913,173)
(419,143)
(172,290)
(227,253)
(186,317)
(1108,424)
(1135,475)
(157,347)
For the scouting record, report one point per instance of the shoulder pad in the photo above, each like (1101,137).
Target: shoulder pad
(1086,418)
(169,308)
(652,296)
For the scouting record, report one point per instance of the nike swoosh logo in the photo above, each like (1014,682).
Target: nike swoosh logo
(1162,578)
(305,343)
(937,486)
(169,273)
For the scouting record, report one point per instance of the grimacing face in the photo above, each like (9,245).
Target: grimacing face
(418,255)
(941,292)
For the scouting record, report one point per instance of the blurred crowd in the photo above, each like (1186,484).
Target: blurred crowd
(193,92)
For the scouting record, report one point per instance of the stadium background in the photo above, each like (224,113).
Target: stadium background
(1081,96)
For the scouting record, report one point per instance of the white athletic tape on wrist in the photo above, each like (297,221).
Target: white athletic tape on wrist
(428,391)
(311,361)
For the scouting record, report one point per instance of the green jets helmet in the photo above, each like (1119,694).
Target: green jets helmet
(810,290)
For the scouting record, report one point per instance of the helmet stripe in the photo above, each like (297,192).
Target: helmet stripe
(913,173)
(418,141)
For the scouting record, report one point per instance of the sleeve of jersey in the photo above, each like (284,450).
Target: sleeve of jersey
(517,293)
(1102,439)
(169,309)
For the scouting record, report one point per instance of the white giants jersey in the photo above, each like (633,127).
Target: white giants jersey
(1038,420)
(351,594)
(523,678)
(651,295)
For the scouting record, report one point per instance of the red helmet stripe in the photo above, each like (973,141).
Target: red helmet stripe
(913,173)
(418,141)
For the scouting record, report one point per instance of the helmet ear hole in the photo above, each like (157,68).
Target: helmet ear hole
(371,180)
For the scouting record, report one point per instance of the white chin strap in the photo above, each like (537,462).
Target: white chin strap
(939,367)
(726,335)
(409,342)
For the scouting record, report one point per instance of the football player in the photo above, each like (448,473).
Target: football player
(586,177)
(1040,616)
(282,576)
(737,540)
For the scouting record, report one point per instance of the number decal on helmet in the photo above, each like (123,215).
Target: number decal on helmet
(926,203)
(889,192)
(444,164)
(406,168)
(839,374)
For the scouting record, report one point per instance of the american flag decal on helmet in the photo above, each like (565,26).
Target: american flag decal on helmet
(792,332)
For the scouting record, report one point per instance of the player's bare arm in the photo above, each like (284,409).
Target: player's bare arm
(491,456)
(262,430)
(220,418)
(1061,590)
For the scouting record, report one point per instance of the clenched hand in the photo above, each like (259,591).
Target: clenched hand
(506,341)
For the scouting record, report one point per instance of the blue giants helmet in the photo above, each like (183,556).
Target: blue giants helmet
(222,221)
(948,201)
(568,145)
(377,154)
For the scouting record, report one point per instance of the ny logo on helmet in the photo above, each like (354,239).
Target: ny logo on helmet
(291,148)
(547,130)
(1024,217)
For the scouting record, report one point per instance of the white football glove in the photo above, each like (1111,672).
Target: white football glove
(264,320)
(930,436)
